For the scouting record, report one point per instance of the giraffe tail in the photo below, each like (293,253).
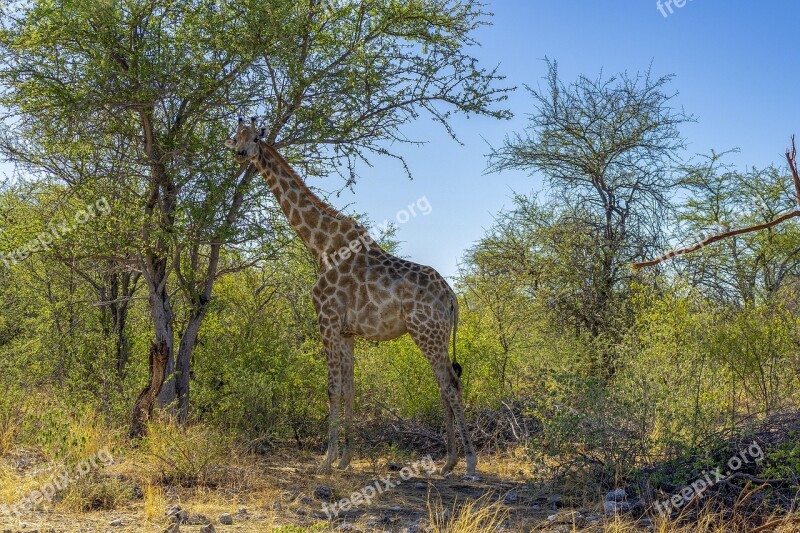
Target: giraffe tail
(454,317)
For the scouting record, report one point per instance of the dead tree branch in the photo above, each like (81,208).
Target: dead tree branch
(791,158)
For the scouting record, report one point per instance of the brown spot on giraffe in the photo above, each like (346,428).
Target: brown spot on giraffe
(363,291)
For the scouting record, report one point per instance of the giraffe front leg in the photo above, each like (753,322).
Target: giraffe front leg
(334,400)
(337,348)
(348,394)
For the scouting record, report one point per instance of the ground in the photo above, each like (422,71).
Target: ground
(283,492)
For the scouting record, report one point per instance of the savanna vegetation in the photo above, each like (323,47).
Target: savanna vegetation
(125,226)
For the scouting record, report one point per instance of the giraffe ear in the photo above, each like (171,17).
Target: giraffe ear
(262,133)
(229,143)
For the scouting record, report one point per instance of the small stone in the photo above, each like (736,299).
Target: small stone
(198,520)
(242,512)
(555,499)
(472,478)
(277,506)
(610,508)
(510,497)
(226,519)
(323,493)
(116,523)
(552,517)
(175,509)
(208,528)
(394,467)
(616,495)
(395,509)
(420,485)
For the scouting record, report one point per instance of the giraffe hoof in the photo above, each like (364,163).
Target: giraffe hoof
(447,472)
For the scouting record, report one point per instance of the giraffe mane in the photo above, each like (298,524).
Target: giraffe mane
(300,183)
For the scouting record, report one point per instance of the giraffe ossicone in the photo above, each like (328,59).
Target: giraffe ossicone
(367,292)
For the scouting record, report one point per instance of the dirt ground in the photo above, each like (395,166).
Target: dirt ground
(285,493)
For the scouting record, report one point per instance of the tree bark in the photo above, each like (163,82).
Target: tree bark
(143,407)
(164,334)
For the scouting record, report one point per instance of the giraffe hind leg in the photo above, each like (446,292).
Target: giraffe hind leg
(434,344)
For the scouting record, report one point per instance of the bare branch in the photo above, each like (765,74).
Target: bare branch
(791,158)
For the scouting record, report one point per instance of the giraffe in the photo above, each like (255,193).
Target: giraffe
(363,291)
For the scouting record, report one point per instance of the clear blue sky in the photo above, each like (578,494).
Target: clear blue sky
(736,66)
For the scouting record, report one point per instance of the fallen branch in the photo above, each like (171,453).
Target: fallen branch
(791,157)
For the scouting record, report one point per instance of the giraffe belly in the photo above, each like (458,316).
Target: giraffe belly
(377,323)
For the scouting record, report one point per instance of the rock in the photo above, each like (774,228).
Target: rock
(552,518)
(395,509)
(555,500)
(226,519)
(472,478)
(277,506)
(208,528)
(323,493)
(301,512)
(420,485)
(175,509)
(242,512)
(394,467)
(178,515)
(116,523)
(645,523)
(510,497)
(198,520)
(536,507)
(617,495)
(610,508)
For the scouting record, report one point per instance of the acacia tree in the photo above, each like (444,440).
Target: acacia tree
(606,148)
(151,85)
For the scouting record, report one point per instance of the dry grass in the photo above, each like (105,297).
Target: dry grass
(471,516)
(208,474)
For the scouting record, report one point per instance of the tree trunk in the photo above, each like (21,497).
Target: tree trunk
(183,363)
(161,311)
(143,407)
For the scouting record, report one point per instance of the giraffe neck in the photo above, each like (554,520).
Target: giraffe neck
(323,229)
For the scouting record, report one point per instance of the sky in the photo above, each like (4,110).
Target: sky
(736,69)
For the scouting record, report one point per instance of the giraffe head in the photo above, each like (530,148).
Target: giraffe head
(245,142)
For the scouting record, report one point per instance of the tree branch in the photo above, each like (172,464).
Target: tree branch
(791,158)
